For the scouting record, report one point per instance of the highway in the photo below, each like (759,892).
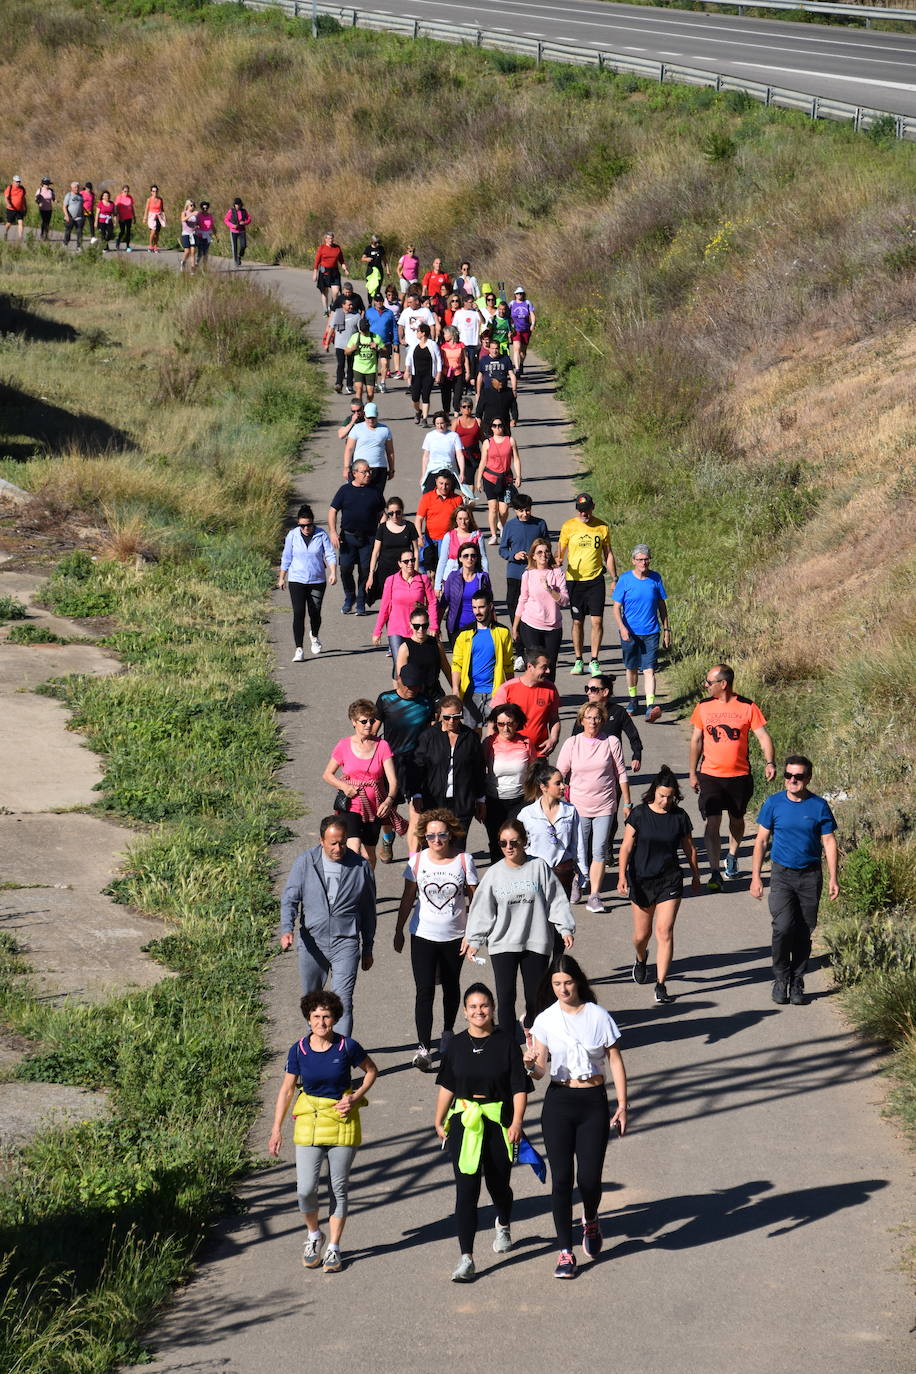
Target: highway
(861,67)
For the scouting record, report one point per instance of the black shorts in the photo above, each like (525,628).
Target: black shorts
(586,598)
(408,781)
(421,388)
(14,216)
(664,887)
(499,490)
(188,241)
(328,277)
(725,794)
(358,829)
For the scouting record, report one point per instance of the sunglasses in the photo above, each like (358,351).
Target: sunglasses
(365,720)
(497,424)
(796,777)
(466,405)
(711,681)
(437,835)
(505,725)
(394,512)
(510,844)
(451,717)
(419,624)
(469,555)
(405,561)
(306,524)
(589,690)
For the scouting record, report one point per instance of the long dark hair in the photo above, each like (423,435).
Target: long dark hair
(564,963)
(663,778)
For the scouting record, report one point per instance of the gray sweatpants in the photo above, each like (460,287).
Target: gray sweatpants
(341,961)
(308,1173)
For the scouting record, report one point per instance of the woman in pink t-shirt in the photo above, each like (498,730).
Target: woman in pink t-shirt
(507,756)
(593,763)
(538,619)
(155,217)
(408,268)
(362,767)
(126,211)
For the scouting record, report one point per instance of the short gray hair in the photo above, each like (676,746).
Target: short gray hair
(643,549)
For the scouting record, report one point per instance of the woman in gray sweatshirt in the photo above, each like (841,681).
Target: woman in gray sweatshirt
(521,913)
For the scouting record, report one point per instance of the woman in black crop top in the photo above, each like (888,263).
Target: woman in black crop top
(481,1068)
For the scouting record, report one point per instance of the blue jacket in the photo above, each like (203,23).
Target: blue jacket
(518,536)
(383,323)
(305,896)
(305,562)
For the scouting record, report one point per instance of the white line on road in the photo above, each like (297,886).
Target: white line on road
(832,76)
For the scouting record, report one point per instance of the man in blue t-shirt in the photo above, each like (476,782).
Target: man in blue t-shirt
(802,826)
(641,609)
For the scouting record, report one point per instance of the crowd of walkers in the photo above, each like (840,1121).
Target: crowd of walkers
(470,733)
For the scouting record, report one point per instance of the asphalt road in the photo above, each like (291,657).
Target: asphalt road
(753,1212)
(876,70)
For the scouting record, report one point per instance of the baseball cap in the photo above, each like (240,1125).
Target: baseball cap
(519,291)
(370,410)
(378,296)
(17,178)
(584,501)
(411,676)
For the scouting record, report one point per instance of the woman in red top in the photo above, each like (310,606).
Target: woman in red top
(456,373)
(469,429)
(155,217)
(125,209)
(500,469)
(88,194)
(105,218)
(329,263)
(237,221)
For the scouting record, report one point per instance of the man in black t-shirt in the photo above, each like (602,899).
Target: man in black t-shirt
(353,517)
(403,714)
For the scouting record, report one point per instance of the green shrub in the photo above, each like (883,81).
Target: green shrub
(33,634)
(867,886)
(11,609)
(884,1006)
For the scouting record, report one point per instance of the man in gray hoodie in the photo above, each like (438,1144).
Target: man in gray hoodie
(332,892)
(74,215)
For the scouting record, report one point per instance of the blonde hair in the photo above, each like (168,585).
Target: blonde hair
(591,706)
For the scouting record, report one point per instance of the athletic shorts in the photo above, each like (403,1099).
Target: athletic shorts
(14,216)
(725,794)
(498,490)
(586,598)
(664,887)
(639,652)
(521,336)
(328,277)
(188,241)
(358,829)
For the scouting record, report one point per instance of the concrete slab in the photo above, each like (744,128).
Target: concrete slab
(45,765)
(27,1109)
(76,851)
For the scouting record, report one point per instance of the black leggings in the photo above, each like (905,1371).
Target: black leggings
(430,959)
(548,641)
(576,1124)
(306,596)
(500,810)
(505,972)
(451,389)
(421,387)
(125,229)
(495,1167)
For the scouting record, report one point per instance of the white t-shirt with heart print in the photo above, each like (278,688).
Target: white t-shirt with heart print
(441,910)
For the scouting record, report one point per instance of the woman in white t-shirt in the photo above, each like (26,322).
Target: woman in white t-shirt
(442,452)
(439,883)
(580,1039)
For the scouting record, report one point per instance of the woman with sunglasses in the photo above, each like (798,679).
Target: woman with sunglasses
(439,882)
(516,909)
(463,531)
(456,372)
(538,620)
(469,429)
(593,763)
(507,757)
(552,823)
(423,371)
(362,768)
(308,563)
(650,873)
(580,1039)
(425,653)
(456,612)
(442,452)
(448,762)
(402,593)
(499,473)
(394,536)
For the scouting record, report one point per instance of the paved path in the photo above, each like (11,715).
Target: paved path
(753,1211)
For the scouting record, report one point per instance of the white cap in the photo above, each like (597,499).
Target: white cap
(519,291)
(17,178)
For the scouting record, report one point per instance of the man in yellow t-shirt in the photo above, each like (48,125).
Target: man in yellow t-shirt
(585,543)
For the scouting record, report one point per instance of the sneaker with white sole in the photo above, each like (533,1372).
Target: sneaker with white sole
(311,1251)
(594,903)
(298,656)
(332,1260)
(566,1265)
(422,1060)
(503,1239)
(592,1239)
(519,664)
(575,892)
(594,668)
(639,970)
(316,645)
(577,670)
(465,1271)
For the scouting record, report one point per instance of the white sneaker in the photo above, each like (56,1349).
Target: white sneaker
(93,240)
(519,664)
(465,1271)
(421,1060)
(503,1239)
(316,645)
(298,656)
(594,903)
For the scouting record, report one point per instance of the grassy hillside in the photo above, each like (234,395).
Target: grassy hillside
(165,417)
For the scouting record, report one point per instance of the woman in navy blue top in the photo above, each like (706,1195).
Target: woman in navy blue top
(308,563)
(321,1063)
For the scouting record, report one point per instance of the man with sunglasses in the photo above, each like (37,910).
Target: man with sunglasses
(641,613)
(720,768)
(353,517)
(370,441)
(802,827)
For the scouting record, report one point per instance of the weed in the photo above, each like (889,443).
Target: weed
(11,609)
(34,634)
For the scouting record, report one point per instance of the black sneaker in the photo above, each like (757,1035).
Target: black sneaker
(566,1266)
(780,994)
(797,993)
(592,1239)
(662,994)
(639,970)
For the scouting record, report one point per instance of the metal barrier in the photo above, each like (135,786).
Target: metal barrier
(541,50)
(866,12)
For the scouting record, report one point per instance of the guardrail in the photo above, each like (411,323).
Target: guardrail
(866,12)
(815,106)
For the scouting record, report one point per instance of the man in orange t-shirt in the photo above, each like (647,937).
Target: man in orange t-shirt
(434,517)
(720,768)
(14,201)
(536,695)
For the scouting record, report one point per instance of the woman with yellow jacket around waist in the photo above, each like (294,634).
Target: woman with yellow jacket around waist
(483,1091)
(326,1114)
